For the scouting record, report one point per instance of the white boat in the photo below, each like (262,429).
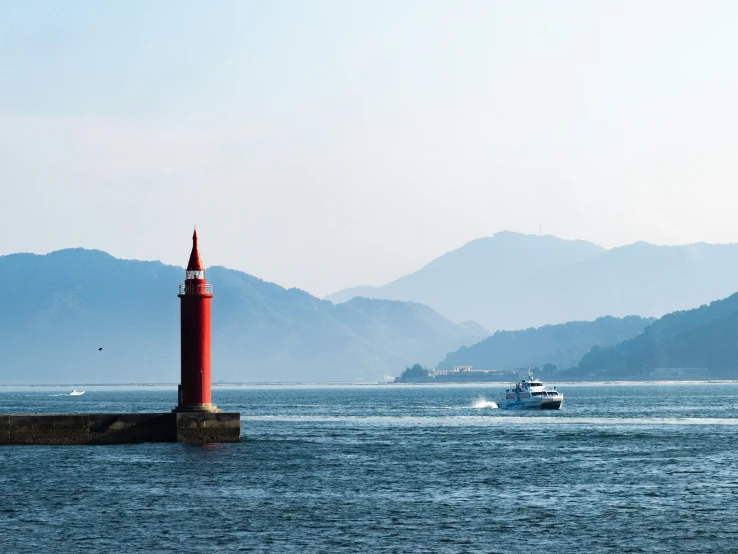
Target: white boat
(76,392)
(532,394)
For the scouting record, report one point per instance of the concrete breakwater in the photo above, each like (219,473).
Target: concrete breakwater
(189,427)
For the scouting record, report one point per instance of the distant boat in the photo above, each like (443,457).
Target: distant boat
(76,392)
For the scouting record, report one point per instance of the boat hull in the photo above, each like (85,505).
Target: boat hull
(547,404)
(551,405)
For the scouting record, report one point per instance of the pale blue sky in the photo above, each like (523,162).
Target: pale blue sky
(329,144)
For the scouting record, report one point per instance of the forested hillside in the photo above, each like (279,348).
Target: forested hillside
(561,345)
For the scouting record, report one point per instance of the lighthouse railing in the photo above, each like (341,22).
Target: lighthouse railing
(195,288)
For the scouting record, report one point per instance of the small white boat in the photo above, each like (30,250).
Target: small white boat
(532,394)
(76,392)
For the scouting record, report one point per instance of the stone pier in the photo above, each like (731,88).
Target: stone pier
(189,427)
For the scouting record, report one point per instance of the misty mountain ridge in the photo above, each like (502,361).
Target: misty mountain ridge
(481,262)
(60,307)
(515,281)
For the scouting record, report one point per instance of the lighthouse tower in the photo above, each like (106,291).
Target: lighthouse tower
(195,295)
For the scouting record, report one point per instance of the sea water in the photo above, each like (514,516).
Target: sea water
(624,468)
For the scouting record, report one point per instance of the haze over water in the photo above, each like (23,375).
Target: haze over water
(627,468)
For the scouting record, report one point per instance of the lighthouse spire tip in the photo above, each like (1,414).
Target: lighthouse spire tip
(195,263)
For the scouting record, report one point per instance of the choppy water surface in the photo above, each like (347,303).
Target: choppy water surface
(388,469)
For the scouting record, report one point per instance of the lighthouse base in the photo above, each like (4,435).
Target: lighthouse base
(189,427)
(208,408)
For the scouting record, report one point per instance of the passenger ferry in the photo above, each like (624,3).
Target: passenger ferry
(532,394)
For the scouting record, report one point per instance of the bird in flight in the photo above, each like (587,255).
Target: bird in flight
(100,348)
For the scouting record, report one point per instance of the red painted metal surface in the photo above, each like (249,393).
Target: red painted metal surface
(195,334)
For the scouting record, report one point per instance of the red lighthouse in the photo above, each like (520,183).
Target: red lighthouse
(195,294)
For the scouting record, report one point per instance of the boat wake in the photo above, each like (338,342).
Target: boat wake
(483,403)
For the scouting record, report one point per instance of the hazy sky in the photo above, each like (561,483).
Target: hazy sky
(329,144)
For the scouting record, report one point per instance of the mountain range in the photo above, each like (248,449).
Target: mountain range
(515,281)
(59,308)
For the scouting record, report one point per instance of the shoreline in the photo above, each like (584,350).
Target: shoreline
(317,384)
